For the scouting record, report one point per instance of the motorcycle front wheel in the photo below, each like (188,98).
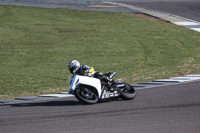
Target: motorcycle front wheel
(128,92)
(86,95)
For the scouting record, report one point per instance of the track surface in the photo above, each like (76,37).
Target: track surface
(185,8)
(169,109)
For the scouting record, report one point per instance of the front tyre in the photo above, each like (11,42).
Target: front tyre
(128,92)
(86,95)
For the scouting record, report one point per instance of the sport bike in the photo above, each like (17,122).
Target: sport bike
(90,90)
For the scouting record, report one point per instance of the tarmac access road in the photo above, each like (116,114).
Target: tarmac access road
(166,109)
(96,5)
(185,8)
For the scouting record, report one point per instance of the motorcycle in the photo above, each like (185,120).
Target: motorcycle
(90,90)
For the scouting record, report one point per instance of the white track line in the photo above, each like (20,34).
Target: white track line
(185,23)
(176,80)
(56,95)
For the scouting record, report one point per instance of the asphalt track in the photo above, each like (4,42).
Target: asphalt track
(169,109)
(185,8)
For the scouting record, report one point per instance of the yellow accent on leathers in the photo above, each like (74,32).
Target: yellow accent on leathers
(91,69)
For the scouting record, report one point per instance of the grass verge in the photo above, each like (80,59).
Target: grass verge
(36,45)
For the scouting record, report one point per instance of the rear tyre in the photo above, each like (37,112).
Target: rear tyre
(86,95)
(128,93)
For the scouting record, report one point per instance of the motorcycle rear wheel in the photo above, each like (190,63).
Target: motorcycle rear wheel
(128,93)
(86,95)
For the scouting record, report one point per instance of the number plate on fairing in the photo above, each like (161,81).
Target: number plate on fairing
(108,94)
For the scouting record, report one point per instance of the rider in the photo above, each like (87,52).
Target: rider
(75,67)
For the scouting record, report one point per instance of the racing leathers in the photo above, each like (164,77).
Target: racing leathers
(86,70)
(89,71)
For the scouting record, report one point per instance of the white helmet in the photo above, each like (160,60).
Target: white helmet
(74,66)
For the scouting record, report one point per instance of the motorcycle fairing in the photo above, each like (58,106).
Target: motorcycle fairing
(90,81)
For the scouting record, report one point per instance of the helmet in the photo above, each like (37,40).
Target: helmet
(74,66)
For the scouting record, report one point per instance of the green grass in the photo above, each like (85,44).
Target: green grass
(36,45)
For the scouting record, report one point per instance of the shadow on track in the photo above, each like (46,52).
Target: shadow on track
(49,103)
(60,103)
